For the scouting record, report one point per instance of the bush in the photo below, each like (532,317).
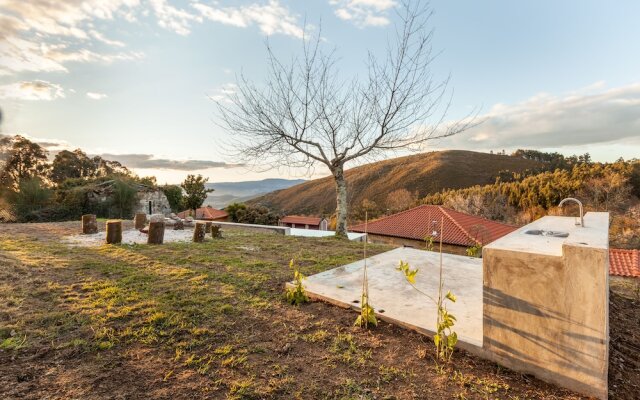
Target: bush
(74,201)
(52,213)
(259,215)
(122,201)
(174,196)
(31,196)
(233,209)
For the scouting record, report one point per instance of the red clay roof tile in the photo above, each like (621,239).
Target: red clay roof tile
(624,262)
(420,222)
(206,213)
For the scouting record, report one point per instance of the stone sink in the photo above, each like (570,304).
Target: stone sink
(541,232)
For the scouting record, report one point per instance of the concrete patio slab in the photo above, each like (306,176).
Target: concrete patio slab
(395,301)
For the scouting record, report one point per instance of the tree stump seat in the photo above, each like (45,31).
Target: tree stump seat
(140,220)
(199,232)
(89,224)
(156,232)
(114,232)
(216,231)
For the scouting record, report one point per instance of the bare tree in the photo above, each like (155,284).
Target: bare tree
(305,114)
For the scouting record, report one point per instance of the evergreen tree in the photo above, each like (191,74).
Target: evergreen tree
(195,190)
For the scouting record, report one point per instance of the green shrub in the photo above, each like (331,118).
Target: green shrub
(122,200)
(174,196)
(31,195)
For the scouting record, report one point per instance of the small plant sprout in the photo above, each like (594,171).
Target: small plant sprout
(430,239)
(479,237)
(445,337)
(296,295)
(475,250)
(367,314)
(429,242)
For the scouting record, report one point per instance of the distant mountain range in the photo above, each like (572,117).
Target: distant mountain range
(420,174)
(230,192)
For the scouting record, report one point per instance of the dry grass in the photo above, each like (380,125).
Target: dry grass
(207,321)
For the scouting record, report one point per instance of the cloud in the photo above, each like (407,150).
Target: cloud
(363,13)
(591,115)
(51,145)
(43,35)
(149,162)
(172,18)
(224,93)
(134,161)
(96,96)
(32,90)
(100,37)
(271,18)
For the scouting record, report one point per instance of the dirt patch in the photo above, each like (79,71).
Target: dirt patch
(624,348)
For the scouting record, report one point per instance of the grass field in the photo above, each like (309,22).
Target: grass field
(208,320)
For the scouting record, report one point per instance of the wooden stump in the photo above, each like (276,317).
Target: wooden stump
(207,227)
(140,220)
(216,231)
(89,224)
(114,232)
(199,232)
(156,232)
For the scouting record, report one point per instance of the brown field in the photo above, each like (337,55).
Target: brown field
(185,321)
(420,174)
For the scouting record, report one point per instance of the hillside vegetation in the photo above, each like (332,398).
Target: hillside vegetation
(611,187)
(416,175)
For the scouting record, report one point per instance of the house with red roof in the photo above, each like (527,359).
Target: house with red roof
(302,222)
(625,263)
(411,227)
(205,213)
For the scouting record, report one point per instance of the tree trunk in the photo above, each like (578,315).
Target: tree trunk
(199,232)
(140,220)
(156,232)
(341,201)
(114,232)
(89,224)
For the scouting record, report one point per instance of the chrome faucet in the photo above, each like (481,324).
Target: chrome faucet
(579,204)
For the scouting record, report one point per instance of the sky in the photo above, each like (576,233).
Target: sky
(136,80)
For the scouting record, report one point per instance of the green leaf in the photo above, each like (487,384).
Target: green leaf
(451,296)
(452,340)
(409,274)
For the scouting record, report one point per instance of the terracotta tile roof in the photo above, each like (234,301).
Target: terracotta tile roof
(418,223)
(624,262)
(206,213)
(297,219)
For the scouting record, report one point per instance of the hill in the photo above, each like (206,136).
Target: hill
(229,192)
(420,174)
